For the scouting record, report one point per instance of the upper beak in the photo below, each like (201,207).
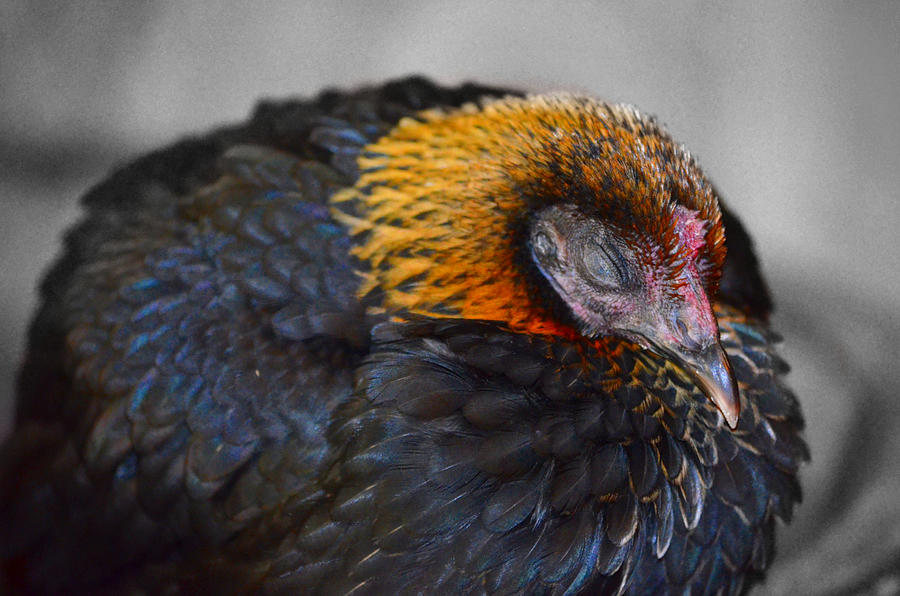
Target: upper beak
(712,371)
(709,368)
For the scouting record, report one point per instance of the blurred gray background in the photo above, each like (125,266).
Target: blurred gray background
(791,108)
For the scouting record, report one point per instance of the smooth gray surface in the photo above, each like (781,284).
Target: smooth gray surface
(790,108)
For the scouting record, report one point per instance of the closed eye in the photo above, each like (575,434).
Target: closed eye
(605,264)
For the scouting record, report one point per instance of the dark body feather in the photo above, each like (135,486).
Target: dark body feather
(206,404)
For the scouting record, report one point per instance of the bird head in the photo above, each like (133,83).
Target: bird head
(556,215)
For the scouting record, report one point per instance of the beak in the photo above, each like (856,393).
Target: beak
(689,335)
(712,371)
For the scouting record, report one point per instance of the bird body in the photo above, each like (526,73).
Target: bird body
(407,339)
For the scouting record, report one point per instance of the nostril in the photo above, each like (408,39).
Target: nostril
(687,335)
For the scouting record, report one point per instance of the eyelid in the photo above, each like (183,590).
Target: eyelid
(616,264)
(617,261)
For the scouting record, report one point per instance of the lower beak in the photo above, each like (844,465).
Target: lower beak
(712,371)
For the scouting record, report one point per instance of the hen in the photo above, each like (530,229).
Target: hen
(407,339)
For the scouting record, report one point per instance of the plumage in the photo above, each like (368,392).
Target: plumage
(400,340)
